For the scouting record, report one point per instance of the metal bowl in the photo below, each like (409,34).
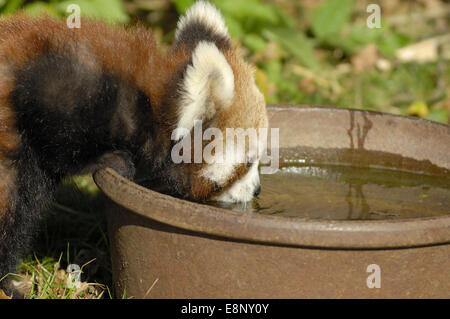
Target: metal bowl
(164,247)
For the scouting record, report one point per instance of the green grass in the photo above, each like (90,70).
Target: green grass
(47,280)
(73,231)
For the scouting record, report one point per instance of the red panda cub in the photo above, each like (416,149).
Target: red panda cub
(102,96)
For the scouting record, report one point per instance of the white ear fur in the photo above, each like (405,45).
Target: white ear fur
(203,12)
(208,85)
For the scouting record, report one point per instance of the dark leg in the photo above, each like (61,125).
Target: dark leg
(32,191)
(120,161)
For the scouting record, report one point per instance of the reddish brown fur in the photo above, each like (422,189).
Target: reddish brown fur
(110,54)
(248,110)
(131,54)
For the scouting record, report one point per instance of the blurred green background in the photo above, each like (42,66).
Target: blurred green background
(315,52)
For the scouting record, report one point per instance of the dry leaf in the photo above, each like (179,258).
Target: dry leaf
(366,59)
(383,65)
(424,51)
(307,86)
(418,108)
(3,295)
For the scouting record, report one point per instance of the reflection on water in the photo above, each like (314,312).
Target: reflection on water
(345,192)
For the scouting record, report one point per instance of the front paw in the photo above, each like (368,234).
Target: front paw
(120,161)
(124,164)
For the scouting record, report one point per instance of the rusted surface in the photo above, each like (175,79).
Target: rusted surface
(181,249)
(333,128)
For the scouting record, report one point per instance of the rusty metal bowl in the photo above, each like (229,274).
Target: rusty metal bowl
(164,247)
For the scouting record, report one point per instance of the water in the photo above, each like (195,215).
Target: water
(339,192)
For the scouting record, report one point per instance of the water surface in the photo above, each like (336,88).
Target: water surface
(340,192)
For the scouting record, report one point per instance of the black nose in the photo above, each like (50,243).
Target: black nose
(257,191)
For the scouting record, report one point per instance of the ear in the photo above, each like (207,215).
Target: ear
(208,85)
(202,22)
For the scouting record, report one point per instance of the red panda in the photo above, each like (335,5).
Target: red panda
(73,100)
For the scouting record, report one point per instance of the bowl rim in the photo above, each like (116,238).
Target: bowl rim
(267,229)
(276,230)
(307,107)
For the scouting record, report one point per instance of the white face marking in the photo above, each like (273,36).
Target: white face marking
(218,172)
(243,189)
